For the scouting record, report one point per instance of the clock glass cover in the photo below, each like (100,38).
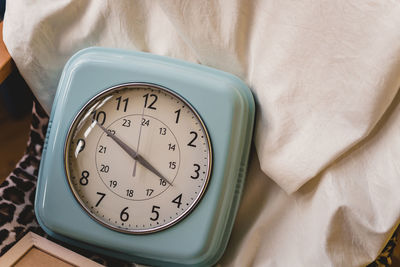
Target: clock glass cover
(138,158)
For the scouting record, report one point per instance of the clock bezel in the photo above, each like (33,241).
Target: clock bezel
(78,117)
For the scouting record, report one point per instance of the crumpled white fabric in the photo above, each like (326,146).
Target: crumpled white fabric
(324,178)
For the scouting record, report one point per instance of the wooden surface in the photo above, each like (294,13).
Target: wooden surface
(6,63)
(14,135)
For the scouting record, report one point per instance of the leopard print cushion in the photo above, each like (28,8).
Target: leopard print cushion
(17,196)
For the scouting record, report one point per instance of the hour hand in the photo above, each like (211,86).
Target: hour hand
(133,153)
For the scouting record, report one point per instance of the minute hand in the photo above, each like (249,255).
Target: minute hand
(134,154)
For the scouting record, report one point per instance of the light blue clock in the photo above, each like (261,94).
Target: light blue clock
(145,157)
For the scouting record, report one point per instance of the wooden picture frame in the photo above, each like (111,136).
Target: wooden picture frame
(34,250)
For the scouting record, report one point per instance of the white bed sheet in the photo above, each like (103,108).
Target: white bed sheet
(324,177)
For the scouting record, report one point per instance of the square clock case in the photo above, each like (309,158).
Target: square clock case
(145,157)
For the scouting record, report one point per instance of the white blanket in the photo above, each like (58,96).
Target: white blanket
(324,180)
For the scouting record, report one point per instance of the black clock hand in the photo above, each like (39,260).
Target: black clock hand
(133,154)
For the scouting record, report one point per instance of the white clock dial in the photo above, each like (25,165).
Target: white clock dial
(138,158)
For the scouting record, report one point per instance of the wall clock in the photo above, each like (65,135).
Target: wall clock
(145,157)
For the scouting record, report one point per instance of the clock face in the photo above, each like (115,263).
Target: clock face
(138,158)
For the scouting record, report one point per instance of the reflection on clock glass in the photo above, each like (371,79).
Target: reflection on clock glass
(138,158)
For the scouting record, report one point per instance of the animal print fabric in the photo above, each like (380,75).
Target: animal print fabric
(17,197)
